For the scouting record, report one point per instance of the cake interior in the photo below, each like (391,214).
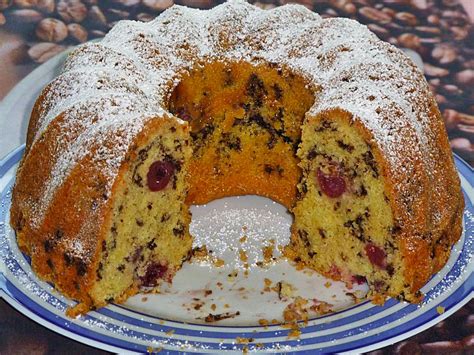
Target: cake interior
(248,133)
(148,238)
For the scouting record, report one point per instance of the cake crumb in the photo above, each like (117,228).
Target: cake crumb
(440,309)
(243,256)
(144,299)
(170,332)
(267,284)
(243,239)
(219,262)
(321,307)
(240,340)
(231,277)
(263,322)
(151,350)
(327,284)
(284,289)
(294,333)
(210,318)
(200,253)
(213,306)
(296,311)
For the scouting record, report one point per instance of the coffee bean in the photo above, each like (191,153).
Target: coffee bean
(461,144)
(407,347)
(144,17)
(444,53)
(5,4)
(51,30)
(97,17)
(41,52)
(460,33)
(409,40)
(420,5)
(465,77)
(406,18)
(427,30)
(431,70)
(389,11)
(72,10)
(25,4)
(97,34)
(433,19)
(451,89)
(443,347)
(378,30)
(468,342)
(375,15)
(126,3)
(25,16)
(158,5)
(77,33)
(344,7)
(116,14)
(46,6)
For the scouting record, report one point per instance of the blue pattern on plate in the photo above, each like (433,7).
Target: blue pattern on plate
(362,326)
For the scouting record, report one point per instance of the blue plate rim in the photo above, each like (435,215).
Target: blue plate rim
(13,157)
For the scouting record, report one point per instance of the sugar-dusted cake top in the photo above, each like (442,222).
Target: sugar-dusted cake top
(114,87)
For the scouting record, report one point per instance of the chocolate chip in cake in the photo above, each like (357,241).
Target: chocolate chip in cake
(345,146)
(322,233)
(179,229)
(58,234)
(361,191)
(151,244)
(135,256)
(394,230)
(48,245)
(304,237)
(149,205)
(278,91)
(312,154)
(68,259)
(231,141)
(390,269)
(81,267)
(165,217)
(268,168)
(370,161)
(139,222)
(325,125)
(50,264)
(121,268)
(228,78)
(100,268)
(256,90)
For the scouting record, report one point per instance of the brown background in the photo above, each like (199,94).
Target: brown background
(440,31)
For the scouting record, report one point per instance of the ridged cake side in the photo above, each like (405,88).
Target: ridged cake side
(85,124)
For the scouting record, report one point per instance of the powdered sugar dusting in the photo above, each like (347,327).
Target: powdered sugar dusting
(112,88)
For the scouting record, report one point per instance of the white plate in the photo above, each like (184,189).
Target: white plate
(175,319)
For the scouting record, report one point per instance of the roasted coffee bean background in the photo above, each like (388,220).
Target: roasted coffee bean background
(440,31)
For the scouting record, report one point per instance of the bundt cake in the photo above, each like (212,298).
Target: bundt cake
(319,115)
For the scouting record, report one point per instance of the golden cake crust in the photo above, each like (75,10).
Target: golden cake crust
(85,124)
